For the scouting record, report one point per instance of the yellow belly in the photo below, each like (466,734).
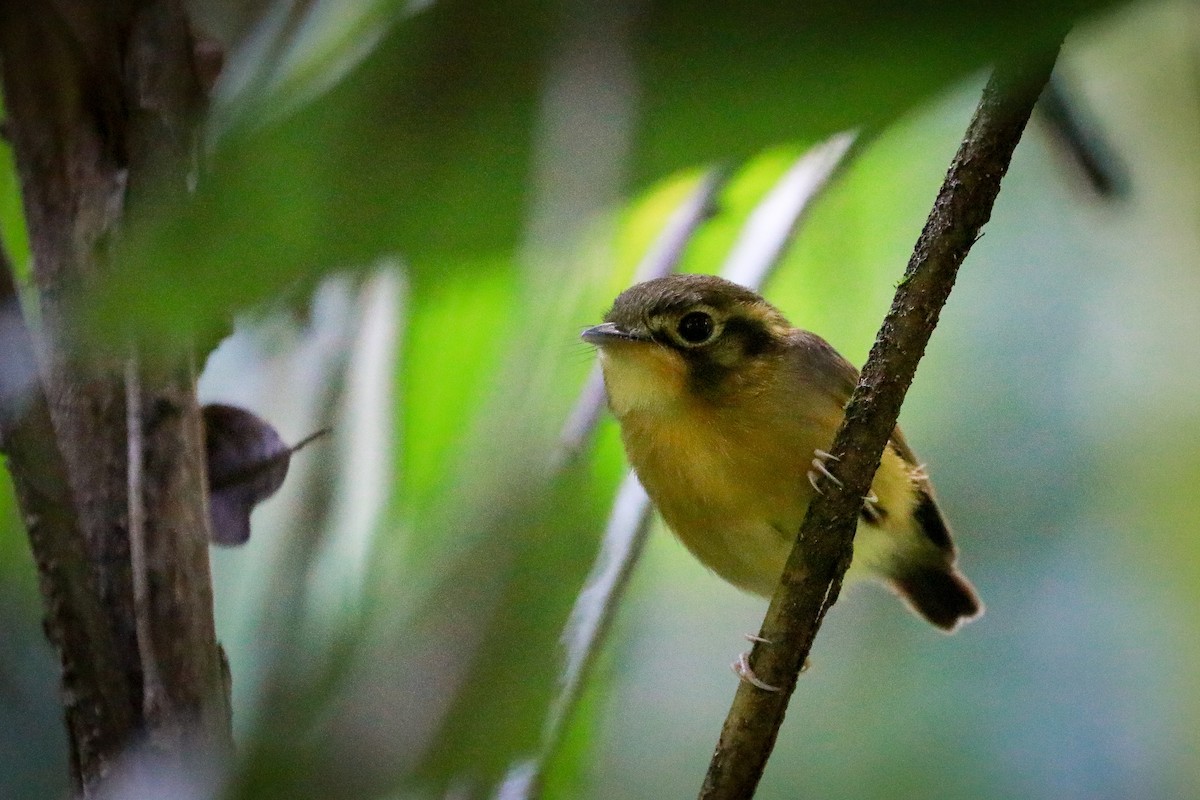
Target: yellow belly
(735,493)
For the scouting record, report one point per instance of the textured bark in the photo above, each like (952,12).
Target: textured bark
(813,575)
(102,100)
(98,703)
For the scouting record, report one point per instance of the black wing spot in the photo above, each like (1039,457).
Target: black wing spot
(929,520)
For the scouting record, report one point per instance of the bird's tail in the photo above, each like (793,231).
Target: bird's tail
(938,592)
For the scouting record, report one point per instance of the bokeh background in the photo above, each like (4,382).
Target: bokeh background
(394,624)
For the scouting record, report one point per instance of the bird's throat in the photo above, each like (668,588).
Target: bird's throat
(642,378)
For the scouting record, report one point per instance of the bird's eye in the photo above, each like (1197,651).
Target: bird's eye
(696,327)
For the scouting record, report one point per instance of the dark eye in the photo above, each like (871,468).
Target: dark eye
(696,327)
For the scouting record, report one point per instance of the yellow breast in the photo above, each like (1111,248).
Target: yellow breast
(724,484)
(730,480)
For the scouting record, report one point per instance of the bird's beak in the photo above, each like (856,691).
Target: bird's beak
(607,333)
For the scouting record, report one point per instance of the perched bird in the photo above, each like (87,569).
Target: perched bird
(726,413)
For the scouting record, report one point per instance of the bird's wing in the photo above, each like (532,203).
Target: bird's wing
(823,367)
(838,377)
(900,445)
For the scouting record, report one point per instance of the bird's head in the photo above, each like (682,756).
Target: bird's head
(685,338)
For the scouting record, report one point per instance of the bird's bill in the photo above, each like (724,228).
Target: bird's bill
(607,333)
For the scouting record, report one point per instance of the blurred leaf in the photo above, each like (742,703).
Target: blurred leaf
(295,53)
(33,746)
(429,148)
(13,235)
(566,774)
(458,328)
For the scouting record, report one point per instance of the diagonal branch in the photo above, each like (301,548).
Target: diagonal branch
(768,232)
(813,575)
(662,259)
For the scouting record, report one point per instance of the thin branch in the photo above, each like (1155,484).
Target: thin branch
(813,575)
(1074,129)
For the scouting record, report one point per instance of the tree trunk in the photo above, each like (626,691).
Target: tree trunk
(108,457)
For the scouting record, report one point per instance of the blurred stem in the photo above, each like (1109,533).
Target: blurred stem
(628,523)
(662,259)
(1073,127)
(813,575)
(758,250)
(771,227)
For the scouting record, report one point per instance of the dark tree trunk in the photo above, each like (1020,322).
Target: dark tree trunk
(107,457)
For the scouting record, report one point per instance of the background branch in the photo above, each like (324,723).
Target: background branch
(1072,126)
(760,246)
(812,577)
(662,259)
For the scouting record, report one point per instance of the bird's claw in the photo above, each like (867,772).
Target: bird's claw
(819,468)
(742,668)
(871,509)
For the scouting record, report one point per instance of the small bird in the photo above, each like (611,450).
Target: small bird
(727,413)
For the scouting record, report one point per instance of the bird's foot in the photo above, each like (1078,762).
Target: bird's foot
(871,510)
(742,668)
(819,468)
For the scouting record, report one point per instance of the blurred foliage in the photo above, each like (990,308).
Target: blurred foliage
(405,643)
(12,222)
(433,145)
